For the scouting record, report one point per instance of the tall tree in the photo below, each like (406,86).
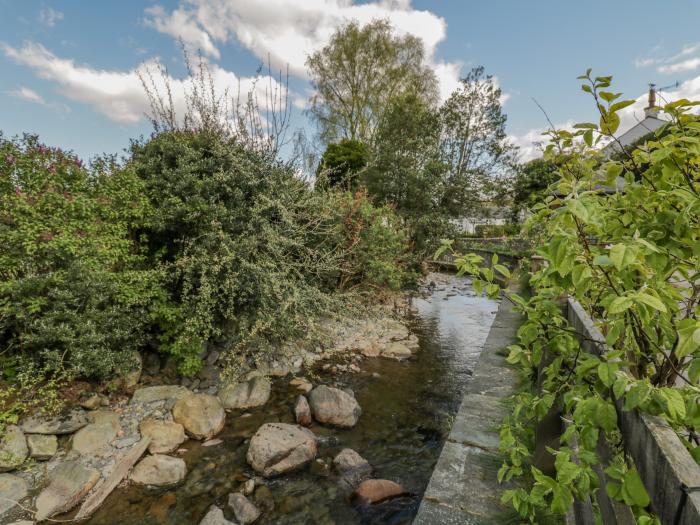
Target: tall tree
(473,139)
(359,72)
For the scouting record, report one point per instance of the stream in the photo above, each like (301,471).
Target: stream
(407,407)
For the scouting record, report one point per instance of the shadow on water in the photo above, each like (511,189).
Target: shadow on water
(407,412)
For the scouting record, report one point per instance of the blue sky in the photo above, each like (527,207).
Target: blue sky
(69,66)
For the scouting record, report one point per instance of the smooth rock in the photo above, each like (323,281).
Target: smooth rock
(250,394)
(352,469)
(377,490)
(334,407)
(212,442)
(150,394)
(166,436)
(301,383)
(302,411)
(104,417)
(248,487)
(396,350)
(41,446)
(13,449)
(12,489)
(66,423)
(69,483)
(243,509)
(277,448)
(159,471)
(202,415)
(93,437)
(215,516)
(92,402)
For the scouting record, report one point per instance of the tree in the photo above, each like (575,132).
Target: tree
(356,75)
(474,141)
(342,162)
(531,182)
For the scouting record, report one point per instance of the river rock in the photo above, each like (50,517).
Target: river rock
(250,394)
(215,516)
(150,394)
(352,469)
(334,407)
(159,471)
(277,448)
(166,436)
(396,350)
(93,437)
(248,487)
(69,483)
(12,489)
(92,402)
(42,447)
(13,449)
(202,415)
(302,411)
(243,509)
(66,423)
(301,383)
(377,490)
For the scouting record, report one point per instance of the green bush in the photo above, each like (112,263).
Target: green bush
(74,295)
(341,164)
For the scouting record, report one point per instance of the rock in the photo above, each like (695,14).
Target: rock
(277,448)
(334,407)
(104,417)
(151,363)
(213,357)
(215,516)
(243,509)
(320,468)
(42,447)
(92,402)
(150,394)
(22,522)
(371,349)
(250,394)
(66,423)
(166,436)
(301,383)
(302,411)
(12,489)
(202,415)
(13,448)
(93,437)
(412,342)
(351,468)
(248,487)
(263,497)
(132,378)
(212,442)
(396,351)
(377,490)
(69,483)
(159,471)
(209,376)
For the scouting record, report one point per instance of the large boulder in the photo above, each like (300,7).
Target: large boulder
(69,483)
(334,407)
(377,490)
(277,448)
(66,423)
(150,394)
(249,394)
(13,449)
(42,447)
(396,350)
(166,436)
(243,509)
(302,411)
(202,415)
(94,436)
(215,516)
(12,489)
(159,471)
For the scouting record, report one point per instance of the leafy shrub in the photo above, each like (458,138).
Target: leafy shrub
(341,164)
(73,293)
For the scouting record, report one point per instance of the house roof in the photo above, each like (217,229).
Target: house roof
(649,124)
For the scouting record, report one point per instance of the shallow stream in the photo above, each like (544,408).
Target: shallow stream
(407,409)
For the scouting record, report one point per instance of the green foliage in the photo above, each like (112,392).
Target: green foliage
(531,183)
(631,258)
(341,164)
(359,72)
(74,294)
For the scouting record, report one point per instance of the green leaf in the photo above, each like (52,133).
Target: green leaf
(579,209)
(623,255)
(619,305)
(633,490)
(505,272)
(609,122)
(652,301)
(617,106)
(606,373)
(586,125)
(688,337)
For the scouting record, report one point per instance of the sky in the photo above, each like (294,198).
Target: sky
(69,68)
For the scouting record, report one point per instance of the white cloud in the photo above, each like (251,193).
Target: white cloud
(28,94)
(48,17)
(119,95)
(679,67)
(678,63)
(181,25)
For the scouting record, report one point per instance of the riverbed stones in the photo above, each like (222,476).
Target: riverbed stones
(202,415)
(42,447)
(166,436)
(302,384)
(396,350)
(352,469)
(302,411)
(159,470)
(150,394)
(215,516)
(374,491)
(278,448)
(69,483)
(65,423)
(13,489)
(334,407)
(249,394)
(94,436)
(243,509)
(13,448)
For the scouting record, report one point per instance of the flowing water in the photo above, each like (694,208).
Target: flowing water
(407,409)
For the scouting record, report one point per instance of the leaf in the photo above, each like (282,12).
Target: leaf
(505,272)
(623,255)
(578,209)
(609,122)
(606,373)
(652,301)
(617,106)
(633,490)
(619,305)
(586,125)
(602,260)
(688,337)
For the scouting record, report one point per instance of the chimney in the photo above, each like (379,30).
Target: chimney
(651,110)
